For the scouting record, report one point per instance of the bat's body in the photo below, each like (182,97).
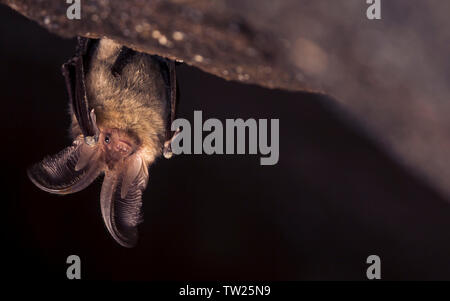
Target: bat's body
(121,104)
(133,105)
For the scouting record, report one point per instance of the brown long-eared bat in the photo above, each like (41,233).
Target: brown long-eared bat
(122,103)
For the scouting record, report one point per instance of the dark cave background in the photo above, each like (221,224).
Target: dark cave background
(333,199)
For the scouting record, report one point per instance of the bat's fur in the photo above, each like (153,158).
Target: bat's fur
(134,102)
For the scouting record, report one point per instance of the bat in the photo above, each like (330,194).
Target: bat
(122,103)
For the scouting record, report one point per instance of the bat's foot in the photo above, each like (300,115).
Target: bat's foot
(167,151)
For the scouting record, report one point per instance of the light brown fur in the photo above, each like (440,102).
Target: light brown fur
(134,102)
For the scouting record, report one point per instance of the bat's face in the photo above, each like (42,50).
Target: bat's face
(115,146)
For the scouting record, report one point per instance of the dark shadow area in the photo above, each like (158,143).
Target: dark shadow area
(333,199)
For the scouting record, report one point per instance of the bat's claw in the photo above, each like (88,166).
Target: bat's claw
(167,151)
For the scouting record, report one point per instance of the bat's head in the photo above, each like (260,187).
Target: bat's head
(116,146)
(116,155)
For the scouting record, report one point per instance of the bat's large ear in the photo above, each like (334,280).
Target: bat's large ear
(121,200)
(69,171)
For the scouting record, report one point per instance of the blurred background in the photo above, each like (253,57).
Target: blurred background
(333,199)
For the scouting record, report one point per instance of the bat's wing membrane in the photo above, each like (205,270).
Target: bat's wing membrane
(174,94)
(74,72)
(168,73)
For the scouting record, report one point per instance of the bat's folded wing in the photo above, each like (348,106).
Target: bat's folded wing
(74,72)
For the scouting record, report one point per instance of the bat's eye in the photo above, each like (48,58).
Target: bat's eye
(107,139)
